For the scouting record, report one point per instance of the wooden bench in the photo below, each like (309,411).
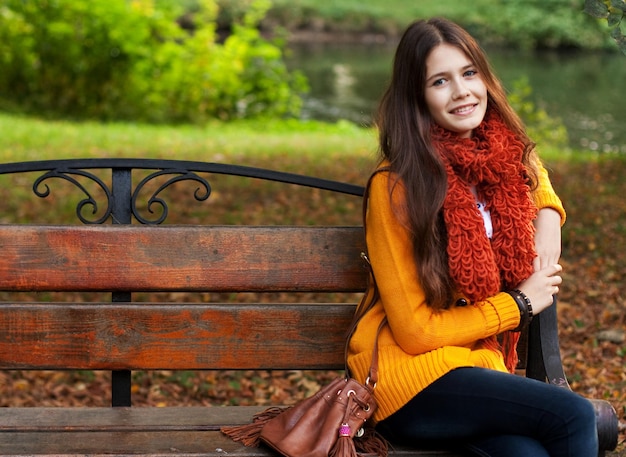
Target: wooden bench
(120,334)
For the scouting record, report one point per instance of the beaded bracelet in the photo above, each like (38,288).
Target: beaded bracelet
(529,306)
(525,308)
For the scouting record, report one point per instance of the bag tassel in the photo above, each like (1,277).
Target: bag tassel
(248,434)
(371,443)
(344,447)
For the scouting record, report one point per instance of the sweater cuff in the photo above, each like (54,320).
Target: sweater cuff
(501,313)
(549,200)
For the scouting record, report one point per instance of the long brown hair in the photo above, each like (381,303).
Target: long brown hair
(404,126)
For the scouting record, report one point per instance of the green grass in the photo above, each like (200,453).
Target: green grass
(27,138)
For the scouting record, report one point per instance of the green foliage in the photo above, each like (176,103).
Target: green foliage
(540,24)
(546,131)
(613,11)
(120,59)
(372,16)
(513,23)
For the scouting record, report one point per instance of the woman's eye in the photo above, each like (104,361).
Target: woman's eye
(469,73)
(438,82)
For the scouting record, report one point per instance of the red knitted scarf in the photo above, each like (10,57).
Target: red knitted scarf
(491,162)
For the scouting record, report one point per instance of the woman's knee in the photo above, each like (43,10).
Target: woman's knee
(575,434)
(586,416)
(580,413)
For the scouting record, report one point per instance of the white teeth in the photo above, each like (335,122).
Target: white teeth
(464,109)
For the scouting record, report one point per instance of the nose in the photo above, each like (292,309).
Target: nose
(461,91)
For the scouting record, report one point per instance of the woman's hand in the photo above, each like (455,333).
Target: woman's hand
(547,238)
(541,286)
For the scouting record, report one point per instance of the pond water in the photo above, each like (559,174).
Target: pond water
(586,90)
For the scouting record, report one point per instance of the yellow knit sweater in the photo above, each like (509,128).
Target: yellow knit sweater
(419,345)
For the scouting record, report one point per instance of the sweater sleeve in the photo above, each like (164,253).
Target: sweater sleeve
(544,195)
(417,327)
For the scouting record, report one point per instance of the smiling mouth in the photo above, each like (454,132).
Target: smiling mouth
(465,109)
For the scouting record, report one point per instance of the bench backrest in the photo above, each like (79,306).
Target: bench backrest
(53,316)
(181,335)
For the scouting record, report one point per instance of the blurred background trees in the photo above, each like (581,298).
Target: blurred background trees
(141,60)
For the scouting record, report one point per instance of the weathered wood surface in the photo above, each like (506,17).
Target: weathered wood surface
(181,336)
(181,258)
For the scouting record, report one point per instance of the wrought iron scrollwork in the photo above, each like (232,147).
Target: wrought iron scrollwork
(200,194)
(42,190)
(120,198)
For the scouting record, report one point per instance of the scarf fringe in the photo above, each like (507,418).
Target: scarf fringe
(509,349)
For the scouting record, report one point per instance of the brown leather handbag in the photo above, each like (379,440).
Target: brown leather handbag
(330,423)
(324,424)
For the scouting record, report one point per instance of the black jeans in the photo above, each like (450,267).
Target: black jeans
(482,412)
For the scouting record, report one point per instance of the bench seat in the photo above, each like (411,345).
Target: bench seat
(181,431)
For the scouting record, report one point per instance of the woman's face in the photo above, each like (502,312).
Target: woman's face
(455,92)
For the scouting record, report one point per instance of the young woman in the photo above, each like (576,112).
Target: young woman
(463,235)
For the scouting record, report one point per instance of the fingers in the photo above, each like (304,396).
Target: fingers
(555,280)
(557,268)
(552,271)
(542,285)
(556,277)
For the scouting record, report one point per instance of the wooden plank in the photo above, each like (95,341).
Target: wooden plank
(186,418)
(210,444)
(182,336)
(181,444)
(181,258)
(178,431)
